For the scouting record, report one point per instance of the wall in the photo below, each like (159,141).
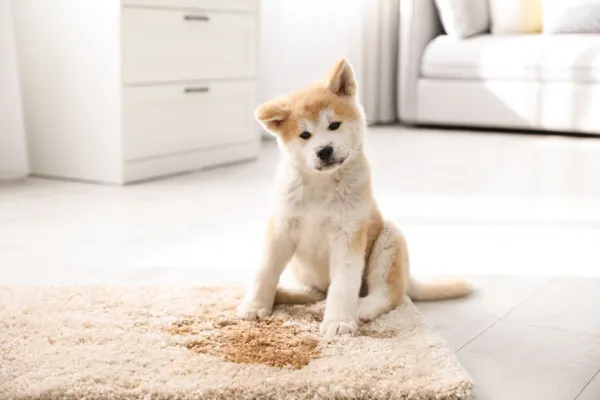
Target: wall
(301,39)
(13,153)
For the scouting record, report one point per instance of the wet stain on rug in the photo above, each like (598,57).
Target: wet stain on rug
(271,342)
(290,338)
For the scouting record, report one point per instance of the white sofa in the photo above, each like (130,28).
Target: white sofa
(535,82)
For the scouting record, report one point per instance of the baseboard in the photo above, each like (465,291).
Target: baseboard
(13,175)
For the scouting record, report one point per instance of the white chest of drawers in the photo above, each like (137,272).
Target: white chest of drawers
(118,91)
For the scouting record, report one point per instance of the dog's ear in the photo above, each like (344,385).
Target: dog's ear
(341,80)
(273,114)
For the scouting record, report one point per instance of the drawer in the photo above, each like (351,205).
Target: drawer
(224,5)
(164,120)
(168,45)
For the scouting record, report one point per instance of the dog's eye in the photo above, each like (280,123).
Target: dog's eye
(334,125)
(305,135)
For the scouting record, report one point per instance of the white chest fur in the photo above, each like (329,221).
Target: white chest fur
(320,208)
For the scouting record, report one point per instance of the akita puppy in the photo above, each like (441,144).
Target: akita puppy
(326,227)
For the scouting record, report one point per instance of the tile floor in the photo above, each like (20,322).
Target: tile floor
(518,214)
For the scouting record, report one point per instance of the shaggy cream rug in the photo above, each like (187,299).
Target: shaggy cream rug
(183,343)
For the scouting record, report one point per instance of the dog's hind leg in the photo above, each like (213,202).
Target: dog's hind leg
(386,274)
(388,279)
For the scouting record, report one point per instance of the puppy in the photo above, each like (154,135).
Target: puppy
(326,227)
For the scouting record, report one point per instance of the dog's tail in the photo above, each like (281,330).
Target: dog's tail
(298,295)
(440,290)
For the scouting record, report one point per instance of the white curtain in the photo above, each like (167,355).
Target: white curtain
(13,153)
(380,60)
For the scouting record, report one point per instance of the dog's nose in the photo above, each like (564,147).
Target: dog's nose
(325,153)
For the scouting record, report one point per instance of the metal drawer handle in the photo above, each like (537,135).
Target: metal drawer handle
(202,18)
(202,89)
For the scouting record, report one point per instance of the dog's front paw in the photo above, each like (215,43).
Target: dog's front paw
(253,311)
(331,328)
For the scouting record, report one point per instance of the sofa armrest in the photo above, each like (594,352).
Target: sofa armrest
(419,25)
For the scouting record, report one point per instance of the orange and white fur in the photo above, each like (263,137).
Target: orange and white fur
(326,227)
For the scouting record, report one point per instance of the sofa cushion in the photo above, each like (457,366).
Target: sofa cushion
(515,16)
(566,58)
(464,18)
(571,16)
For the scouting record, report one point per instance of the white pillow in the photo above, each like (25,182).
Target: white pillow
(464,18)
(571,16)
(516,16)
